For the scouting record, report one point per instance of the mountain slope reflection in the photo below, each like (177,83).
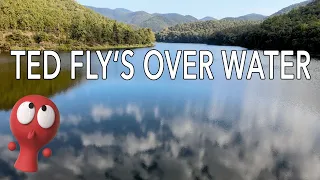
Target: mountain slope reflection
(152,144)
(12,90)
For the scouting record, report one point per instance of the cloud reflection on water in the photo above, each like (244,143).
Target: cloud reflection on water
(269,140)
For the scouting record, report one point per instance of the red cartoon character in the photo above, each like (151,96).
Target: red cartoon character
(34,122)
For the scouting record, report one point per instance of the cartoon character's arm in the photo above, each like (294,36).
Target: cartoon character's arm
(47,152)
(12,146)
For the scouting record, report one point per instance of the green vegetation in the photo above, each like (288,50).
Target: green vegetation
(155,21)
(207,18)
(12,90)
(158,22)
(248,17)
(297,30)
(198,32)
(290,8)
(61,24)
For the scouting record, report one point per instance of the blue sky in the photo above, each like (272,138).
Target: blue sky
(197,8)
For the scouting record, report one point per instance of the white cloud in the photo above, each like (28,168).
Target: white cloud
(183,128)
(66,164)
(100,112)
(5,154)
(97,139)
(5,139)
(134,110)
(100,162)
(263,124)
(71,119)
(134,145)
(175,148)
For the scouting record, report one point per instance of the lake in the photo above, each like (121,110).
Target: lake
(172,129)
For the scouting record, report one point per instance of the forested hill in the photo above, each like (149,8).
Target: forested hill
(158,22)
(62,24)
(198,32)
(293,6)
(298,29)
(155,21)
(248,17)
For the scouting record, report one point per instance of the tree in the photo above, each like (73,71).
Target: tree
(116,33)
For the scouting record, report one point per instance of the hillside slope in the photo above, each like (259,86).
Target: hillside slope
(158,22)
(291,7)
(198,32)
(248,17)
(62,24)
(207,18)
(297,30)
(118,14)
(154,21)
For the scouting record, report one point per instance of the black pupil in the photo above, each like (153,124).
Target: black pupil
(44,108)
(31,105)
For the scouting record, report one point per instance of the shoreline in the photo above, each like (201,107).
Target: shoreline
(312,54)
(67,47)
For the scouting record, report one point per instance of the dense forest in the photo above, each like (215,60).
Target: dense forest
(63,24)
(199,32)
(298,29)
(248,17)
(290,8)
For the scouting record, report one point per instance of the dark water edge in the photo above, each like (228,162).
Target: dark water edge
(67,48)
(314,55)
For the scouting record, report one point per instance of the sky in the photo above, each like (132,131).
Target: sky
(197,8)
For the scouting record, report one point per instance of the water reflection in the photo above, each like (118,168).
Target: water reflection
(219,130)
(13,89)
(124,144)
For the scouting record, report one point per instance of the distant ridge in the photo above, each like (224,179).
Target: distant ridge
(154,21)
(207,18)
(158,22)
(248,17)
(291,7)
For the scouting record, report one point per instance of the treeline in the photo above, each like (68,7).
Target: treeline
(198,32)
(297,30)
(63,22)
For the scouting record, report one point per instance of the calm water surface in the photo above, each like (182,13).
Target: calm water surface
(171,130)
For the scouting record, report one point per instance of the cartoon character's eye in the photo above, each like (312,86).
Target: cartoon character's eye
(25,112)
(46,116)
